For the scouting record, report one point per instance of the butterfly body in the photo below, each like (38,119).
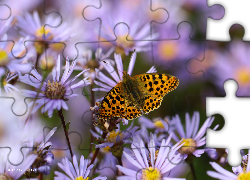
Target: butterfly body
(132,92)
(136,95)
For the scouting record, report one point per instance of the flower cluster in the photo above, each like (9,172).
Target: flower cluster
(106,113)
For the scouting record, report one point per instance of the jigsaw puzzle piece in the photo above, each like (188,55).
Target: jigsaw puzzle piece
(235,112)
(218,30)
(195,12)
(73,29)
(173,55)
(223,61)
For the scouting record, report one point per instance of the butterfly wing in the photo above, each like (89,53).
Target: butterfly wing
(157,84)
(113,104)
(152,103)
(132,113)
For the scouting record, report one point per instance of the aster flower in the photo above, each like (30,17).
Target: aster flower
(8,57)
(8,88)
(192,138)
(158,124)
(115,139)
(42,150)
(74,171)
(151,162)
(240,172)
(145,135)
(87,62)
(233,64)
(31,26)
(9,170)
(107,83)
(139,33)
(53,94)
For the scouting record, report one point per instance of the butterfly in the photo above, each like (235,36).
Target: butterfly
(136,95)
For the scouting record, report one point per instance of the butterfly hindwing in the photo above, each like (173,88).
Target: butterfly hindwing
(152,103)
(132,113)
(113,104)
(157,83)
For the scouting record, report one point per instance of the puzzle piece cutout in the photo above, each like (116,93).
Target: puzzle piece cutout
(231,107)
(218,30)
(175,54)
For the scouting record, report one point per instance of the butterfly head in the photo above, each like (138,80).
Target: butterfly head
(125,75)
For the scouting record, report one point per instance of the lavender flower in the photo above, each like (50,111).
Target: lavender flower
(45,156)
(158,124)
(240,172)
(233,64)
(8,88)
(107,83)
(53,94)
(116,139)
(75,172)
(150,162)
(31,26)
(10,171)
(8,62)
(192,138)
(138,38)
(87,62)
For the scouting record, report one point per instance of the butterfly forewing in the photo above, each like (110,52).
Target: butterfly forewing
(157,84)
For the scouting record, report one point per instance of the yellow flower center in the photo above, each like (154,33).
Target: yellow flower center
(167,50)
(159,124)
(81,178)
(244,176)
(55,90)
(42,31)
(4,82)
(57,46)
(106,149)
(92,65)
(122,43)
(112,136)
(157,15)
(151,174)
(3,58)
(243,76)
(188,147)
(125,41)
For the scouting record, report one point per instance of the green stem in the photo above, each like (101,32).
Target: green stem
(97,149)
(192,170)
(92,125)
(60,114)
